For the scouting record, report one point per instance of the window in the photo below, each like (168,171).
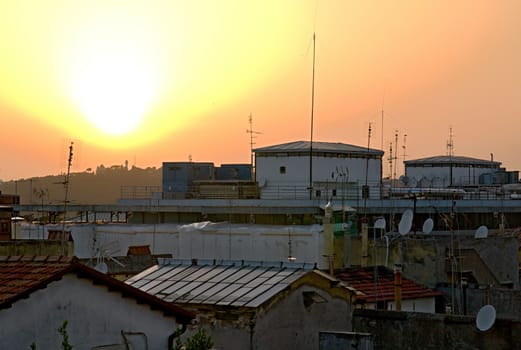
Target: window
(282,170)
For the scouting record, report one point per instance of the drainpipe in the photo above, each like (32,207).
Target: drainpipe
(177,334)
(398,286)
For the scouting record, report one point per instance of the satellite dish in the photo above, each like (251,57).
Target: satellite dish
(413,182)
(101,267)
(404,179)
(481,232)
(380,223)
(428,225)
(404,227)
(485,318)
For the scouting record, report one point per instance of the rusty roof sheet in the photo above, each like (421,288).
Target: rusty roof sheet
(22,275)
(363,280)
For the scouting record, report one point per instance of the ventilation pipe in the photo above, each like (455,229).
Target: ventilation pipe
(398,287)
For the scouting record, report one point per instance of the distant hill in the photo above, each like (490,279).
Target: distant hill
(104,186)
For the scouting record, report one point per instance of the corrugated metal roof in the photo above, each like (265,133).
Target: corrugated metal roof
(451,160)
(235,283)
(328,147)
(363,280)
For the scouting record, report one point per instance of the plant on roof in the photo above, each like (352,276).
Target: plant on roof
(199,341)
(65,336)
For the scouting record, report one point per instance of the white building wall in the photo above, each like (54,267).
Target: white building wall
(95,317)
(325,169)
(440,176)
(417,305)
(203,241)
(427,305)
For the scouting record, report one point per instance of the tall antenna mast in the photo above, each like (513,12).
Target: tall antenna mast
(395,158)
(66,199)
(390,159)
(311,136)
(404,148)
(252,142)
(366,188)
(382,134)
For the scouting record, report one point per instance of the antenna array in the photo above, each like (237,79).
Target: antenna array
(450,144)
(253,136)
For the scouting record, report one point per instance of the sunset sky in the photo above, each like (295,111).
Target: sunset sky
(154,81)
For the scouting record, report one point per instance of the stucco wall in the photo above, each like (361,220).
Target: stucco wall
(235,242)
(425,257)
(95,317)
(289,324)
(283,323)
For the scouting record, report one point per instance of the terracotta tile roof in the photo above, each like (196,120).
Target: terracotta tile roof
(22,275)
(362,279)
(139,250)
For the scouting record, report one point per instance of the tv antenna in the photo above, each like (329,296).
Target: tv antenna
(450,144)
(395,152)
(390,159)
(253,136)
(66,199)
(404,146)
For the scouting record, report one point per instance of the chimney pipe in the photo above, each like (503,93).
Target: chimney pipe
(398,286)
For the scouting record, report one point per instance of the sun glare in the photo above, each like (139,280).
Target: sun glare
(113,78)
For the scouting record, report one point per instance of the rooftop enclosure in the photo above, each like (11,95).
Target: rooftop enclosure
(204,180)
(284,171)
(446,171)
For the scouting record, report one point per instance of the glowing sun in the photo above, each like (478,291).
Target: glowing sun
(113,82)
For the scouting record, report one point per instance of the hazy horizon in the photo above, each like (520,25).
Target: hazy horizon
(151,82)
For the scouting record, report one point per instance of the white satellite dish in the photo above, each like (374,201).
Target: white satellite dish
(481,232)
(380,223)
(101,267)
(412,182)
(485,318)
(404,227)
(428,225)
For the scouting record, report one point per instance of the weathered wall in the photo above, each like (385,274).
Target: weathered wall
(289,324)
(507,302)
(425,259)
(282,323)
(36,248)
(95,317)
(411,331)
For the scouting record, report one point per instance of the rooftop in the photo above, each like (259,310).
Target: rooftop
(452,160)
(328,147)
(234,283)
(363,280)
(20,276)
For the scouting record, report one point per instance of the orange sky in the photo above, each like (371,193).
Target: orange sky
(154,81)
